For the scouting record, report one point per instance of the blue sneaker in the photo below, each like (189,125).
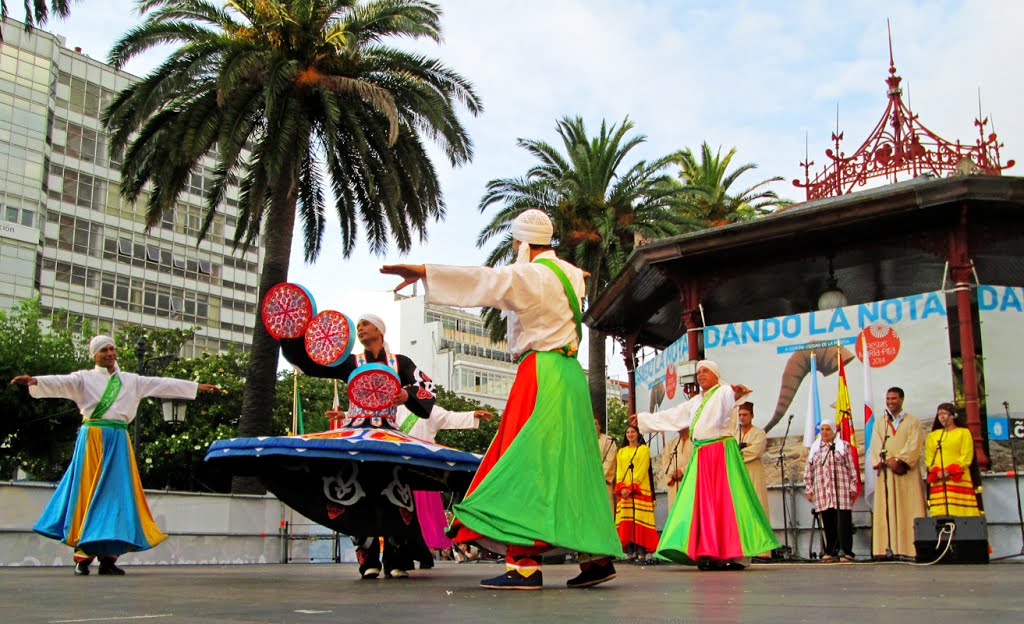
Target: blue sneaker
(514,580)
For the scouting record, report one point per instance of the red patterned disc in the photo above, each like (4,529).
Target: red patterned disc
(372,387)
(329,338)
(287,310)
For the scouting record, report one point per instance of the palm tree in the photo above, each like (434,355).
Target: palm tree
(287,96)
(707,195)
(598,210)
(37,13)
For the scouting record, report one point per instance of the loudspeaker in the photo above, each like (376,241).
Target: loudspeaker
(970,539)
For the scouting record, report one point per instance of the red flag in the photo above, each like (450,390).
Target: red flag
(844,417)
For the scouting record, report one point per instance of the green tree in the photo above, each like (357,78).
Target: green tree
(707,195)
(37,13)
(288,96)
(37,435)
(600,208)
(618,418)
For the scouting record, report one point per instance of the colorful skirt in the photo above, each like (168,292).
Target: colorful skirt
(955,496)
(541,483)
(99,507)
(634,519)
(430,511)
(717,513)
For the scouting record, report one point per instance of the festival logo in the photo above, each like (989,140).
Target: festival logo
(671,380)
(883,344)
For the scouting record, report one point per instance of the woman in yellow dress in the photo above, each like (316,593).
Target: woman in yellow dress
(948,452)
(634,513)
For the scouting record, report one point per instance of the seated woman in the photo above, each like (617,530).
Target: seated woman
(634,513)
(948,453)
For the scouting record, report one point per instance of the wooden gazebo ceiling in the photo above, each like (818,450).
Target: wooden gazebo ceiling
(886,242)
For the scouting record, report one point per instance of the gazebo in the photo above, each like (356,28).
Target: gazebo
(952,221)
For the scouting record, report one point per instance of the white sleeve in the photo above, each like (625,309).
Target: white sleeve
(166,388)
(504,288)
(441,418)
(671,419)
(58,387)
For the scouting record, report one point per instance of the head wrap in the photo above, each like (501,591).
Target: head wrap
(98,342)
(377,322)
(711,366)
(532,227)
(374,320)
(826,423)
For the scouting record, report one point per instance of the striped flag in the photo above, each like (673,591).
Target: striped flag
(869,421)
(844,417)
(812,422)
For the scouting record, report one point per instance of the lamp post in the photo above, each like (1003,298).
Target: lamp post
(151,366)
(140,364)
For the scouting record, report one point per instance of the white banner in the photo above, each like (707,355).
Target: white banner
(907,339)
(1001,312)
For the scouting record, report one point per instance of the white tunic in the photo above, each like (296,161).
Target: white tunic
(531,293)
(440,418)
(85,387)
(718,420)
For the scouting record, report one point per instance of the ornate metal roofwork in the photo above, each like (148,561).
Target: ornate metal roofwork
(900,143)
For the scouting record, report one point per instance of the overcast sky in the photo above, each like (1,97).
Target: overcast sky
(755,75)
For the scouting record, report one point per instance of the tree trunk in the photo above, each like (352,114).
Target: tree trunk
(261,377)
(598,387)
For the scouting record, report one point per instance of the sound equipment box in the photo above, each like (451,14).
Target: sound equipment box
(970,539)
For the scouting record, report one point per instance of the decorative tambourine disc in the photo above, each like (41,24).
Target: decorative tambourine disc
(287,310)
(329,338)
(372,387)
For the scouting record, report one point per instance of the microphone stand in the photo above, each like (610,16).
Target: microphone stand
(1016,478)
(785,552)
(884,469)
(942,468)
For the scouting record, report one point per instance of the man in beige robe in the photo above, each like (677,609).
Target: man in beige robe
(896,446)
(608,453)
(753,443)
(672,464)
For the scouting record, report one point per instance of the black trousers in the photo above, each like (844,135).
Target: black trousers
(398,553)
(838,527)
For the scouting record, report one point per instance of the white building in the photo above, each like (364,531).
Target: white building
(453,347)
(69,238)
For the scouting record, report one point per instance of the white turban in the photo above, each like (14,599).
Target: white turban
(98,343)
(532,227)
(374,320)
(827,423)
(711,366)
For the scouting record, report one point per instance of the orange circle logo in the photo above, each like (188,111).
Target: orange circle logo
(883,344)
(670,381)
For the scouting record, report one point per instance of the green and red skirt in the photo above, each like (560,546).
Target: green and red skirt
(717,513)
(541,483)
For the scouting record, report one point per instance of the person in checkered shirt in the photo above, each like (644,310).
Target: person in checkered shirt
(831,482)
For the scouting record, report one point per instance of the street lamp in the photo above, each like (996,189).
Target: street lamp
(174,411)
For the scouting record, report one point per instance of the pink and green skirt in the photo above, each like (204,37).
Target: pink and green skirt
(541,483)
(717,513)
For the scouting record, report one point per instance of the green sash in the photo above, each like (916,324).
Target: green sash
(696,417)
(409,423)
(109,395)
(109,424)
(570,294)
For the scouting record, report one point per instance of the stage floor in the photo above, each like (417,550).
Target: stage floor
(326,593)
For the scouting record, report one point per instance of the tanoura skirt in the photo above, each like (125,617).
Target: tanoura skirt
(99,507)
(717,513)
(541,482)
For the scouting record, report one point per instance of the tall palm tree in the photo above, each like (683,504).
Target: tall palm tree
(37,13)
(707,194)
(287,96)
(599,209)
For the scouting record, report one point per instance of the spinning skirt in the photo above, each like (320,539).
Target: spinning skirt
(541,483)
(717,513)
(99,507)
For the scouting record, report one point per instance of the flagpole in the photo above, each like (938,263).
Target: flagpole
(295,400)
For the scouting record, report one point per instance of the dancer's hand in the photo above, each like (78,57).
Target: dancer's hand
(483,415)
(410,273)
(24,380)
(400,398)
(741,390)
(633,420)
(209,388)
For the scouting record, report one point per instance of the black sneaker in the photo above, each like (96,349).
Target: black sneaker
(514,580)
(593,575)
(82,568)
(107,568)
